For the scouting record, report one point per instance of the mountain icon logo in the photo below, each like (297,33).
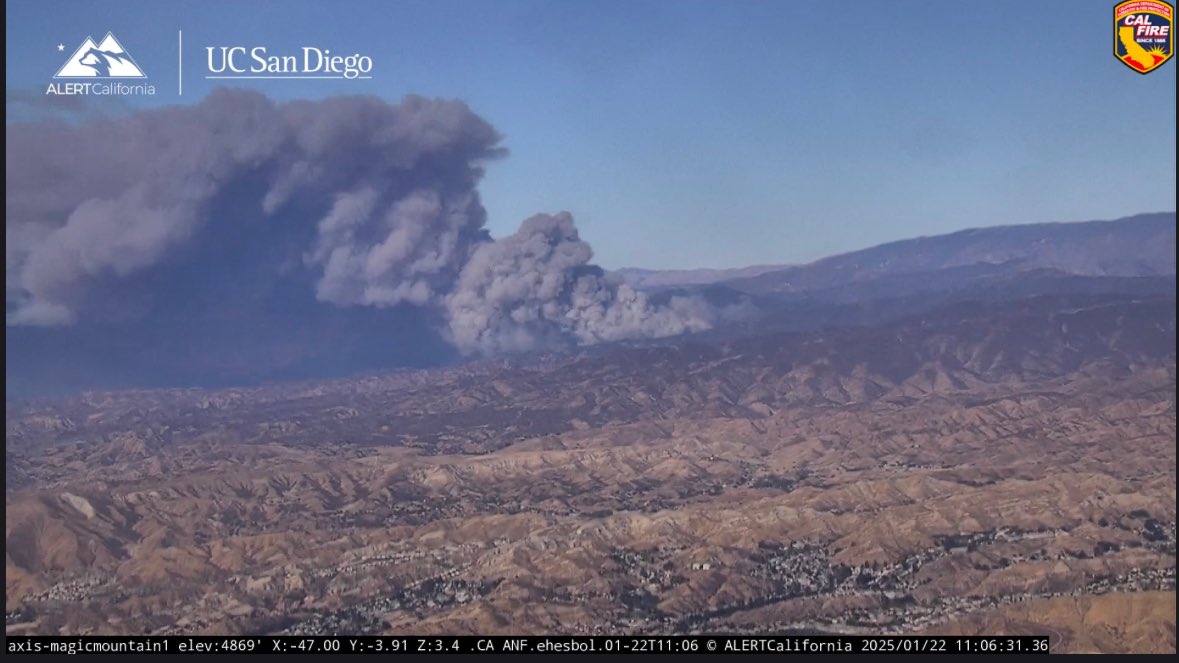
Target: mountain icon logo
(107,59)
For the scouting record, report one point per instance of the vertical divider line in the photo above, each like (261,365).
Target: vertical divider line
(180,62)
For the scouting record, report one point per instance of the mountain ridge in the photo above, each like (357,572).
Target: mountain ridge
(290,336)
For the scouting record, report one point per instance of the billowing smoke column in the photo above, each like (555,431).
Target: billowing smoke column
(387,193)
(537,288)
(378,201)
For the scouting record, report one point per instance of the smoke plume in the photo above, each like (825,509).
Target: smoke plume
(537,288)
(366,203)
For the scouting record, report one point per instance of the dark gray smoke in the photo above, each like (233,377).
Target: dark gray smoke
(537,288)
(371,204)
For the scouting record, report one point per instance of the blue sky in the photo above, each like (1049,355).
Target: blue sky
(689,133)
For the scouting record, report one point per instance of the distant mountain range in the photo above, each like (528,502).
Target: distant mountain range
(648,279)
(288,336)
(1133,257)
(1142,245)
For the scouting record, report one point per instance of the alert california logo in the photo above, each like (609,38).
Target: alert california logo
(100,68)
(1143,34)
